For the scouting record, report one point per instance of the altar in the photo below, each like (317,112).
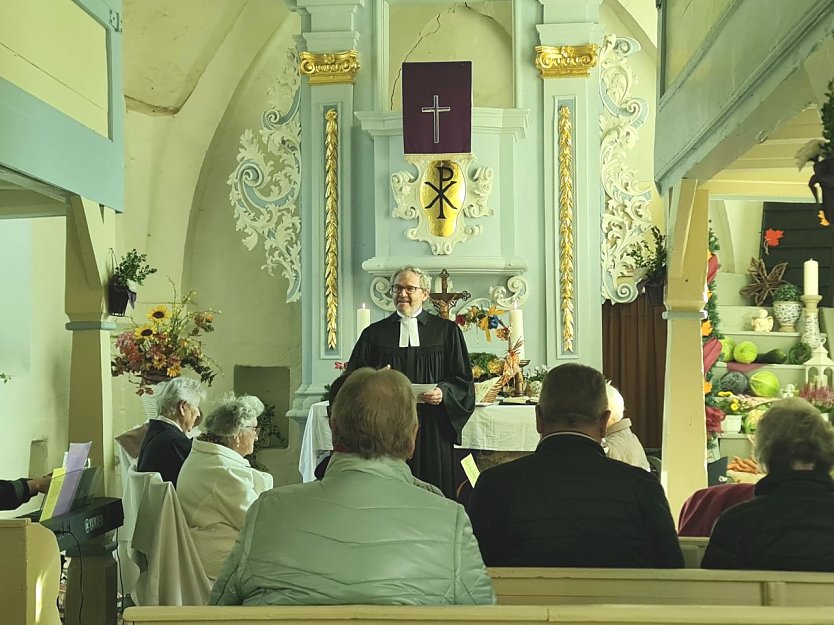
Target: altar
(495,428)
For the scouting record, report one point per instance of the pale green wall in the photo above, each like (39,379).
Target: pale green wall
(258,327)
(166,157)
(34,346)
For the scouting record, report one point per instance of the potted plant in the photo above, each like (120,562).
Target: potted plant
(129,273)
(786,306)
(650,266)
(820,152)
(820,397)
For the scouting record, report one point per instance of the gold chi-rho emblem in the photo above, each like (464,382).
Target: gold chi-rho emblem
(442,193)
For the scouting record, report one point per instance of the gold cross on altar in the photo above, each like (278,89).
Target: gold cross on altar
(444,300)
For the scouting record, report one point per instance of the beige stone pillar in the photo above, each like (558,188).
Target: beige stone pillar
(684,423)
(90,239)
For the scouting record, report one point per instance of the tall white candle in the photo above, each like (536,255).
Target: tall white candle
(811,284)
(517,329)
(363,319)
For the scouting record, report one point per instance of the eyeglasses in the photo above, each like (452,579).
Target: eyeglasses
(254,428)
(411,290)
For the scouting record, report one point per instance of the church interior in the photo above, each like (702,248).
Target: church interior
(640,183)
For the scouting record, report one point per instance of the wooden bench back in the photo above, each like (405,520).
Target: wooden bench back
(479,615)
(554,586)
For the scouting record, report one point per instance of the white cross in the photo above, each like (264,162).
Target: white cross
(436,110)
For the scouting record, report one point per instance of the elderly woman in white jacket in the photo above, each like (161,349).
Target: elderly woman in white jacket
(217,485)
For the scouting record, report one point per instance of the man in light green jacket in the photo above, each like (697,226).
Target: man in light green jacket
(364,534)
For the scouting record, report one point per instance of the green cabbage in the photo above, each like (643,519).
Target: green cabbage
(727,347)
(745,352)
(765,384)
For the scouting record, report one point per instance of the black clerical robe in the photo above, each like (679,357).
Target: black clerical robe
(441,358)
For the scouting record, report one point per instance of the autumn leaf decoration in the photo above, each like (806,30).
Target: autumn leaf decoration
(771,238)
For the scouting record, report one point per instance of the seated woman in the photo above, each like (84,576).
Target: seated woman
(217,485)
(620,442)
(789,524)
(364,533)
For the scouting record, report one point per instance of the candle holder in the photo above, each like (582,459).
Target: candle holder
(819,366)
(811,331)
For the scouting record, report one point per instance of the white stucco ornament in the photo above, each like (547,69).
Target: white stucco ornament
(413,201)
(627,215)
(266,183)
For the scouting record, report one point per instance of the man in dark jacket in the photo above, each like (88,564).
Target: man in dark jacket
(567,504)
(166,444)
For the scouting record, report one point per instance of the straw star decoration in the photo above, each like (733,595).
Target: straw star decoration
(764,282)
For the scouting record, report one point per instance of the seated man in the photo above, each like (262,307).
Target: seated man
(166,446)
(567,504)
(364,533)
(620,442)
(789,523)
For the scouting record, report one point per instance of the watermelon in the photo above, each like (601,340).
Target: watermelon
(727,347)
(765,384)
(745,352)
(734,381)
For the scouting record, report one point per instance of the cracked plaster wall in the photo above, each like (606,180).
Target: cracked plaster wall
(445,32)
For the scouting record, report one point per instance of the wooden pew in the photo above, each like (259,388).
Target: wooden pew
(554,586)
(693,549)
(479,615)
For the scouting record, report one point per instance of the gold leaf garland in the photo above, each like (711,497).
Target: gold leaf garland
(331,225)
(566,225)
(566,61)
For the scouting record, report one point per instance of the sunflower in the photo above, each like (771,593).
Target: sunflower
(160,314)
(143,332)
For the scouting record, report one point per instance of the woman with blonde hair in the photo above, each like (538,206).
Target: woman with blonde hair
(789,524)
(217,485)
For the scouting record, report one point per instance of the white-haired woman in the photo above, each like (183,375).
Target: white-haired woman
(166,444)
(217,485)
(789,523)
(620,442)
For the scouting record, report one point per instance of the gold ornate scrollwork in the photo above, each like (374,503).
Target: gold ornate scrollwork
(331,225)
(566,226)
(566,61)
(330,68)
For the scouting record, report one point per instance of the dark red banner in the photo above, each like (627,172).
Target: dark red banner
(437,107)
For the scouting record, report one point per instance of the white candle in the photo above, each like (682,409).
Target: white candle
(811,284)
(363,319)
(517,329)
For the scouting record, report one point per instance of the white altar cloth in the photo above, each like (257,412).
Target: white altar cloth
(498,428)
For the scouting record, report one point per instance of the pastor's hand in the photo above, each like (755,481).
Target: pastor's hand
(434,397)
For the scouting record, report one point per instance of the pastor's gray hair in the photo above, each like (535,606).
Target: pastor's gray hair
(232,415)
(425,280)
(793,431)
(178,390)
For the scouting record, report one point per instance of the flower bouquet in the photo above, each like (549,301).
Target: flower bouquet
(820,397)
(162,347)
(484,318)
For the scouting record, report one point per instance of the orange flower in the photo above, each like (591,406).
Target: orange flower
(823,220)
(707,387)
(706,327)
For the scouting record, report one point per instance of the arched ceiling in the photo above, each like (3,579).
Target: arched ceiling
(167,46)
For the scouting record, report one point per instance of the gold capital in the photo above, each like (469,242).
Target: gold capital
(330,67)
(566,61)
